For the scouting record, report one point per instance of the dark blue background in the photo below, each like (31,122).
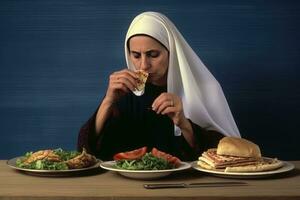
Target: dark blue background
(55,57)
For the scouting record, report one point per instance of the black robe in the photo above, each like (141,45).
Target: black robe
(136,125)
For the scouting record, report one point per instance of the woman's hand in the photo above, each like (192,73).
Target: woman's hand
(171,105)
(120,83)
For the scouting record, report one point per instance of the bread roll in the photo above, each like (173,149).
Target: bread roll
(232,146)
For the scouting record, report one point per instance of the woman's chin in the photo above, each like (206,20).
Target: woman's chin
(155,80)
(158,83)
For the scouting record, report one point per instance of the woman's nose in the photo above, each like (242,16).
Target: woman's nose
(145,64)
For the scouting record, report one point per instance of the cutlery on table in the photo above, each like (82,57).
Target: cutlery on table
(193,185)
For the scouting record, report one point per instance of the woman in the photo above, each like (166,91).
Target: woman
(183,110)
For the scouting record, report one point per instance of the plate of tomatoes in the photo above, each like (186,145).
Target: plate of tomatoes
(140,164)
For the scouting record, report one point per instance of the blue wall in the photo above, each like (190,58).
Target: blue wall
(55,57)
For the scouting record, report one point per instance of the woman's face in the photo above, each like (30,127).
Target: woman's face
(148,54)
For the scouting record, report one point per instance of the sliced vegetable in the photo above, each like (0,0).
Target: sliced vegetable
(131,155)
(160,154)
(147,162)
(140,160)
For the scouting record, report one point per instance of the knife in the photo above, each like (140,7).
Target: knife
(194,185)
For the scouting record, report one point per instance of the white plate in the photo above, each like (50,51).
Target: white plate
(143,174)
(285,168)
(12,163)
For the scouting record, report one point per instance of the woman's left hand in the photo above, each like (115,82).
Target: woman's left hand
(171,105)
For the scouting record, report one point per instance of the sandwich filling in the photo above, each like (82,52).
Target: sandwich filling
(222,161)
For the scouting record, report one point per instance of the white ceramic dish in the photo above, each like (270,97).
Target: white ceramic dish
(143,174)
(285,168)
(12,163)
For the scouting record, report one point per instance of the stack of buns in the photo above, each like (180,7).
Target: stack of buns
(237,155)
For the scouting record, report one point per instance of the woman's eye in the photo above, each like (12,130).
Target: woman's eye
(136,55)
(153,54)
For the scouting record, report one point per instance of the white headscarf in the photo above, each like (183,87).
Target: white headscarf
(203,100)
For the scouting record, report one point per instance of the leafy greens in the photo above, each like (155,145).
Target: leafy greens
(147,162)
(45,164)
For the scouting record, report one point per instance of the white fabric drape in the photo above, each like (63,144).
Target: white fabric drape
(202,96)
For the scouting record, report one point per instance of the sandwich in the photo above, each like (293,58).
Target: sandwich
(237,155)
(141,81)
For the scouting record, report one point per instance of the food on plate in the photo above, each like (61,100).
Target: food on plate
(56,159)
(141,81)
(140,159)
(42,155)
(131,155)
(81,161)
(171,159)
(237,155)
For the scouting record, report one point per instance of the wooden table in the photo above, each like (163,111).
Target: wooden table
(109,185)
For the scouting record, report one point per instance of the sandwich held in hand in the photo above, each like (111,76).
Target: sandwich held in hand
(237,155)
(141,81)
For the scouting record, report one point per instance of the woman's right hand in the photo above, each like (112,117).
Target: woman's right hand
(120,83)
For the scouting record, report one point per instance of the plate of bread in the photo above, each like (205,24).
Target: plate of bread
(239,158)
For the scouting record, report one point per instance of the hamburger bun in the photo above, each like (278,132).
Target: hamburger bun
(231,146)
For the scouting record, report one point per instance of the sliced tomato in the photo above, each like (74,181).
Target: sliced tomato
(131,155)
(171,159)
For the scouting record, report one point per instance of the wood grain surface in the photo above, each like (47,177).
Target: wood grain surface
(109,185)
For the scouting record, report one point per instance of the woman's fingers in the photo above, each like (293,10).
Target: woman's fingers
(159,100)
(166,103)
(126,78)
(121,82)
(171,105)
(120,86)
(165,106)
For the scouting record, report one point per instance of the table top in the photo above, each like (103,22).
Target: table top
(102,184)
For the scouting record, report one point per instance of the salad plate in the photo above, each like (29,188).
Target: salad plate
(12,163)
(143,174)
